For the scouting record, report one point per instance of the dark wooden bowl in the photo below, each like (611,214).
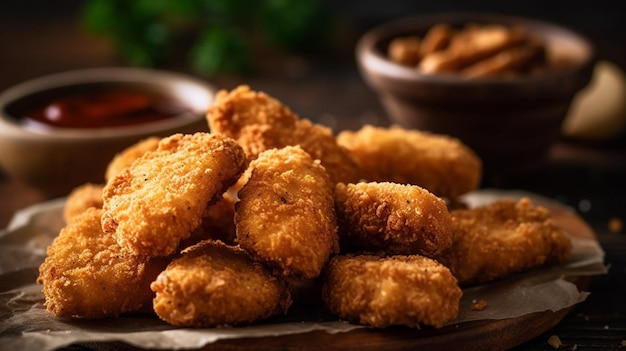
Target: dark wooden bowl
(510,122)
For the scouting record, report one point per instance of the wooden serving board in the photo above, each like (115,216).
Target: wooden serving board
(475,335)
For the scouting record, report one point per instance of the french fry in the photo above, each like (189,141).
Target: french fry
(475,51)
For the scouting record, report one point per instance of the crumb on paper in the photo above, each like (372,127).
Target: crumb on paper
(555,341)
(479,305)
(615,225)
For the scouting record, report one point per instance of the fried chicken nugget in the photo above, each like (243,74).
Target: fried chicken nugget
(127,156)
(504,237)
(394,218)
(156,202)
(87,274)
(321,144)
(259,122)
(212,284)
(218,223)
(443,165)
(397,290)
(285,216)
(81,198)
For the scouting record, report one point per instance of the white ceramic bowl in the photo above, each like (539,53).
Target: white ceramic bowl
(55,160)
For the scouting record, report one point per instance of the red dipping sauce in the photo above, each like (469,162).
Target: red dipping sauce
(106,108)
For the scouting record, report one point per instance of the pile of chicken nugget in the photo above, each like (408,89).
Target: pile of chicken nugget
(233,226)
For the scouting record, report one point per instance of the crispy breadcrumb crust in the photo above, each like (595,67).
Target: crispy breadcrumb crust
(285,216)
(127,156)
(212,284)
(259,122)
(385,291)
(156,202)
(394,218)
(81,198)
(256,120)
(87,274)
(218,223)
(502,238)
(442,164)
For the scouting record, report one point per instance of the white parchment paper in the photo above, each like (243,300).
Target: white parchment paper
(26,325)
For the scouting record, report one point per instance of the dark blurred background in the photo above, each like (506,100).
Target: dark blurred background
(40,37)
(291,42)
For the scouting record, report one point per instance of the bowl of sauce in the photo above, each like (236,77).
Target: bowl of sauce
(104,107)
(62,130)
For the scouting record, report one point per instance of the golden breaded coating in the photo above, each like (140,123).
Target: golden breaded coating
(127,156)
(394,218)
(259,122)
(87,274)
(285,216)
(218,223)
(81,198)
(212,284)
(439,163)
(156,202)
(504,237)
(397,290)
(321,144)
(221,215)
(256,120)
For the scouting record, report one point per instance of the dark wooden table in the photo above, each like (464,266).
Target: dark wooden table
(590,178)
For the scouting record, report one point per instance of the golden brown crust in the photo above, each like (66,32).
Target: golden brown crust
(218,223)
(156,202)
(398,290)
(212,284)
(285,216)
(81,198)
(394,218)
(439,163)
(87,274)
(322,145)
(256,120)
(259,122)
(127,156)
(504,237)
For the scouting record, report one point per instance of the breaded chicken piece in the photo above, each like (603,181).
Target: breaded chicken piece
(504,237)
(394,218)
(81,198)
(87,274)
(259,122)
(321,144)
(127,156)
(443,165)
(397,290)
(256,120)
(156,202)
(285,216)
(218,223)
(212,284)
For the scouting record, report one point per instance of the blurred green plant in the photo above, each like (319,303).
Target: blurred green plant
(213,36)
